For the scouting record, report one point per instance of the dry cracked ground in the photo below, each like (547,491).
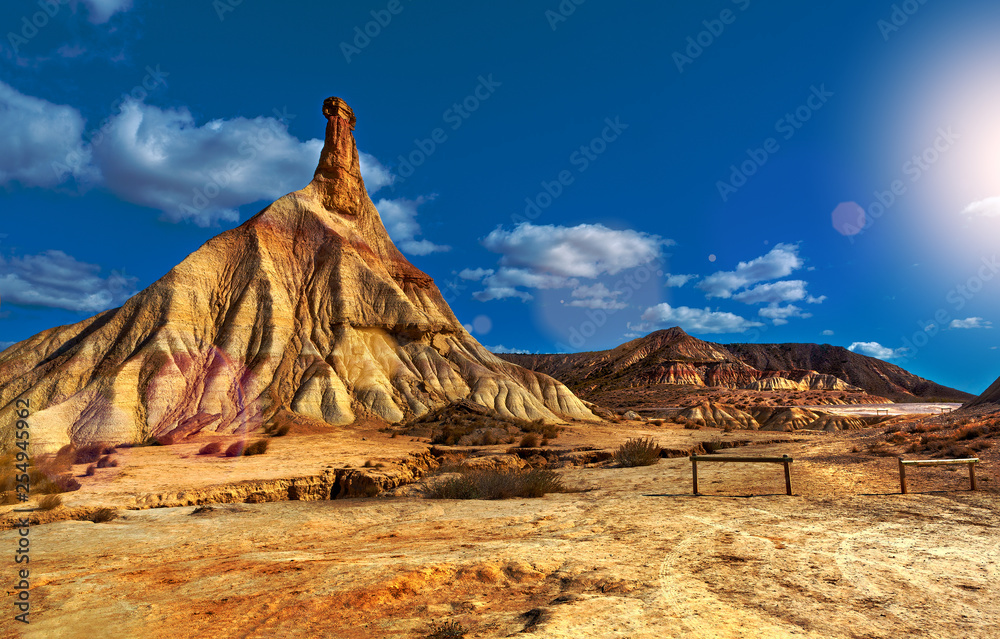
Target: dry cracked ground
(633,555)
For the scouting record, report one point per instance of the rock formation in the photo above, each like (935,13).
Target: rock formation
(307,307)
(774,384)
(719,416)
(672,356)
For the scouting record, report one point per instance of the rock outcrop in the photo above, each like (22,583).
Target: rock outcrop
(774,384)
(719,416)
(672,354)
(308,306)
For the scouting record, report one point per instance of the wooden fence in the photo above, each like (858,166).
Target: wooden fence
(903,463)
(784,459)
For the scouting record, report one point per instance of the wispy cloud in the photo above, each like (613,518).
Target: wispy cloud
(989,207)
(400,219)
(781,261)
(874,349)
(970,322)
(54,279)
(694,320)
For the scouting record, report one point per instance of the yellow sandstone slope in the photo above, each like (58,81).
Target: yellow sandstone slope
(308,306)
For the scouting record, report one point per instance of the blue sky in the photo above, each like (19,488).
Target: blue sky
(573,174)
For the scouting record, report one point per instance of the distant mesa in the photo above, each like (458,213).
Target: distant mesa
(307,307)
(672,357)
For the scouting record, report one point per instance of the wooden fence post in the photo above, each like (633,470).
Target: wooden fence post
(902,477)
(972,475)
(694,473)
(788,477)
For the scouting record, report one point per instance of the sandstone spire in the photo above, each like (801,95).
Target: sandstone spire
(307,307)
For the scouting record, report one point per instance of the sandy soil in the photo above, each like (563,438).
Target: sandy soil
(889,409)
(634,555)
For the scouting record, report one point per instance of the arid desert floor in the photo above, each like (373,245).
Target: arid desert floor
(634,554)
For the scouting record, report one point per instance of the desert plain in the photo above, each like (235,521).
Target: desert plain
(255,547)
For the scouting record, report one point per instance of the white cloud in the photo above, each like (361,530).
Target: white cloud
(586,250)
(549,257)
(54,279)
(676,281)
(162,159)
(100,11)
(779,314)
(596,296)
(38,137)
(874,349)
(783,291)
(695,320)
(500,293)
(781,261)
(989,207)
(5,345)
(500,348)
(970,322)
(374,173)
(400,219)
(827,333)
(474,274)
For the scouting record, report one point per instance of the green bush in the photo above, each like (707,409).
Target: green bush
(637,452)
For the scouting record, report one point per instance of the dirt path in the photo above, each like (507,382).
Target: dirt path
(634,556)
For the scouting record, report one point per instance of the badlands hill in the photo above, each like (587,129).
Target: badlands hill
(307,307)
(672,356)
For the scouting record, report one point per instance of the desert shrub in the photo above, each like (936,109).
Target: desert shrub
(530,440)
(211,448)
(235,449)
(88,454)
(369,463)
(259,447)
(497,484)
(91,470)
(880,449)
(448,630)
(282,430)
(637,452)
(713,445)
(107,462)
(548,431)
(102,515)
(49,502)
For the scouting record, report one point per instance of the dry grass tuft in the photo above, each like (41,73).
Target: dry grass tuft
(211,448)
(49,502)
(497,484)
(259,447)
(448,630)
(637,452)
(102,515)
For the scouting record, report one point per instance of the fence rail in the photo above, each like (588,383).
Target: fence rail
(784,459)
(903,463)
